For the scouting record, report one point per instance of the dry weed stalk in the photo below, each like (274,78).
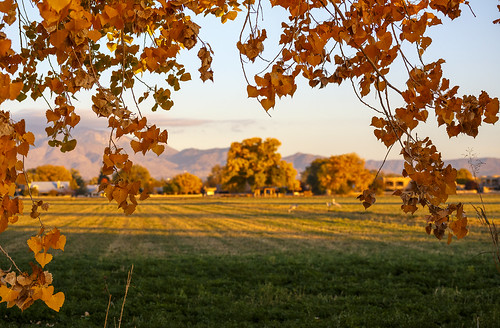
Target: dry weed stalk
(481,210)
(483,218)
(129,280)
(107,311)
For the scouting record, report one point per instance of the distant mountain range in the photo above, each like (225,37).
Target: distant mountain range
(87,158)
(485,166)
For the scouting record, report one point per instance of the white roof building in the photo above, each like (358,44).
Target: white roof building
(44,187)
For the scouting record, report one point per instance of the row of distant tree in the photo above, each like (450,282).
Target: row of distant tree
(251,165)
(254,164)
(184,183)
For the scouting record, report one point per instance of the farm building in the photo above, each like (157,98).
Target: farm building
(396,183)
(45,187)
(93,190)
(491,182)
(210,191)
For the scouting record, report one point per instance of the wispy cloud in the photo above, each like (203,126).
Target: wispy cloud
(36,121)
(235,125)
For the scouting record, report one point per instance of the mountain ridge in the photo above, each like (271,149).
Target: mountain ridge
(87,158)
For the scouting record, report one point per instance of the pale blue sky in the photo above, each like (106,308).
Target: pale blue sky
(329,121)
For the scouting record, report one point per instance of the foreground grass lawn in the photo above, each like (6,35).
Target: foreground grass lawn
(245,262)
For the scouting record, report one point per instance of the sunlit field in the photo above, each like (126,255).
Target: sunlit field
(260,262)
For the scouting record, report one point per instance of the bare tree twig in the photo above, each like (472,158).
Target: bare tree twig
(10,258)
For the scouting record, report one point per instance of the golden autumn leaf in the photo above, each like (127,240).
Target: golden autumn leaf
(118,158)
(120,194)
(19,165)
(61,242)
(58,5)
(438,233)
(55,302)
(8,294)
(12,206)
(158,149)
(94,35)
(367,198)
(110,11)
(108,191)
(54,239)
(385,41)
(252,91)
(232,15)
(185,77)
(37,292)
(23,148)
(47,277)
(58,38)
(378,122)
(6,6)
(15,89)
(13,219)
(10,278)
(133,199)
(76,25)
(24,280)
(129,209)
(450,238)
(29,137)
(4,47)
(24,303)
(459,227)
(409,208)
(52,116)
(68,145)
(136,145)
(428,228)
(491,111)
(21,179)
(134,187)
(111,46)
(107,161)
(43,258)
(144,195)
(35,244)
(267,103)
(4,223)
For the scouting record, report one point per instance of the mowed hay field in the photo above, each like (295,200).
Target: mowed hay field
(255,262)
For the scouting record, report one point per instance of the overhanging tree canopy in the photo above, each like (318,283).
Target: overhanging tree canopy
(110,47)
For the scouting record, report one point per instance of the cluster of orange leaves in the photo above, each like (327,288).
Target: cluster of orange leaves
(432,183)
(41,243)
(22,289)
(360,41)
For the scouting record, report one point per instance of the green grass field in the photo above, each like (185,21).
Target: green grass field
(249,262)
